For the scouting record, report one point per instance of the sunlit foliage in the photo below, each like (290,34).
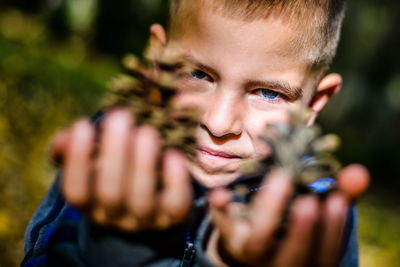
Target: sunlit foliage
(43,86)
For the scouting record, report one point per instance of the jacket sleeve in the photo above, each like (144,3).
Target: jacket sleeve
(99,246)
(350,248)
(42,224)
(58,235)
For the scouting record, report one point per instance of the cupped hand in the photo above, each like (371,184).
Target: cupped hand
(122,180)
(313,232)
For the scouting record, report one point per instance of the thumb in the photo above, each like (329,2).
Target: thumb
(219,200)
(353,181)
(58,146)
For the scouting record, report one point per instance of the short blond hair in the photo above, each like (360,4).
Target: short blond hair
(321,18)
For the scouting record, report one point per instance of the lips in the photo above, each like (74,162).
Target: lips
(217,162)
(218,153)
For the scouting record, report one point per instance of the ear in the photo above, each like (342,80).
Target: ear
(158,40)
(329,86)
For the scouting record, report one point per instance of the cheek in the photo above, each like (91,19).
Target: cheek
(190,100)
(192,94)
(256,121)
(256,125)
(261,149)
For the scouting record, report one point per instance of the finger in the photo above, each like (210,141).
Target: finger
(219,200)
(267,210)
(176,197)
(333,222)
(297,245)
(75,181)
(59,146)
(142,179)
(112,160)
(353,181)
(233,230)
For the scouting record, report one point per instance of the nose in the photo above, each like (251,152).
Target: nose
(222,117)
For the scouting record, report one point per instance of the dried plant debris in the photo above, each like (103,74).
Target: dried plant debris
(303,152)
(148,93)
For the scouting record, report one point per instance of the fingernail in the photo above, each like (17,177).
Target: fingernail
(118,122)
(82,129)
(337,204)
(175,153)
(305,206)
(119,116)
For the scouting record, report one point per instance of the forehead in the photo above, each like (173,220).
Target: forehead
(270,36)
(298,24)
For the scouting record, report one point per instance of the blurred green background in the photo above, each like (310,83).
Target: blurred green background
(56,57)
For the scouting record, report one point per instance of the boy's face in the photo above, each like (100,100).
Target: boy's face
(247,74)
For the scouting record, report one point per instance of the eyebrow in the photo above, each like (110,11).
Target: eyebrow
(292,93)
(193,61)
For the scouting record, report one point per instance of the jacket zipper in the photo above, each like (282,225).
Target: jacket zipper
(188,255)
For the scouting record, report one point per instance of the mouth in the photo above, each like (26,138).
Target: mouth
(217,153)
(217,162)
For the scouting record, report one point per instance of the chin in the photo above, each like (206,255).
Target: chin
(213,176)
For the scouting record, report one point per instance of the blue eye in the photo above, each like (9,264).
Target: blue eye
(267,93)
(198,74)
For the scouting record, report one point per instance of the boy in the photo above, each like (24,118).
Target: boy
(253,60)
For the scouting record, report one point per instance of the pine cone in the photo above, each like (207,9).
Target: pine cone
(150,101)
(303,152)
